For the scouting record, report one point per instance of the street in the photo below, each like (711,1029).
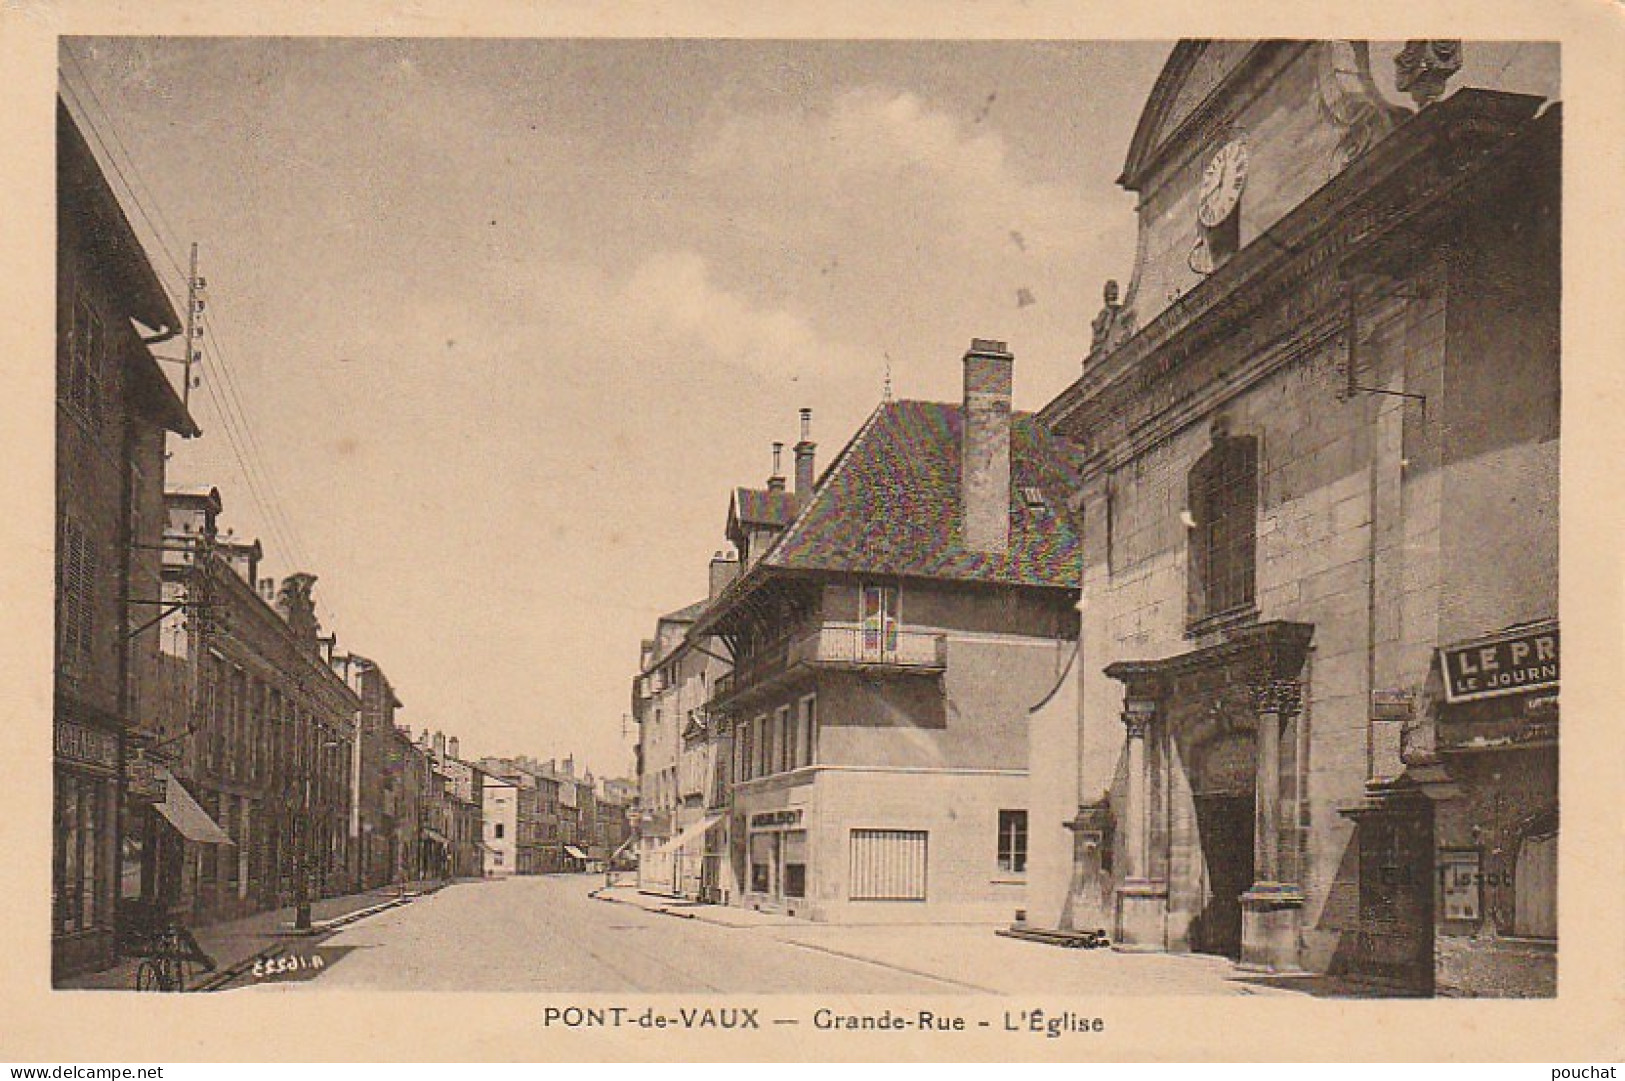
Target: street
(550,934)
(545,933)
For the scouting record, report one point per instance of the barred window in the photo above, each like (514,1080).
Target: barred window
(888,865)
(1223,538)
(1013,841)
(75,596)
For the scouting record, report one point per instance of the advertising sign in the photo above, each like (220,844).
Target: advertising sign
(1514,663)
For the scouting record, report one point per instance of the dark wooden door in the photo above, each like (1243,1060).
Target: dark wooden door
(1225,826)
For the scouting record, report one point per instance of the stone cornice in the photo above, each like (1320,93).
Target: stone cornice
(1272,652)
(1279,292)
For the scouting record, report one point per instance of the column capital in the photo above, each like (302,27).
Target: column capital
(1137,722)
(1281,697)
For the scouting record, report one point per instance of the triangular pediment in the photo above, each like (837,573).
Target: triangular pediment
(1195,72)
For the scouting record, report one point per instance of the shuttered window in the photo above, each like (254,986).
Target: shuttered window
(76,577)
(888,865)
(85,348)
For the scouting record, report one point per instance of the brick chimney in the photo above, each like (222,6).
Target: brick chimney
(439,744)
(452,747)
(985,457)
(298,609)
(724,569)
(775,483)
(804,458)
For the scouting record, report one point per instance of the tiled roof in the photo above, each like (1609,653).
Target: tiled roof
(890,504)
(764,506)
(687,614)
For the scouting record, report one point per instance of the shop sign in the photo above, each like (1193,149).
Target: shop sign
(89,746)
(1460,882)
(1507,664)
(769,819)
(144,781)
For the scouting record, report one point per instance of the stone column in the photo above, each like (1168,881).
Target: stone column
(1271,909)
(1266,803)
(1138,860)
(1142,901)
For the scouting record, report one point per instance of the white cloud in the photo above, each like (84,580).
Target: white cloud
(887,155)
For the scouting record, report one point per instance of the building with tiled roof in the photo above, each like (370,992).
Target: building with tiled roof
(888,645)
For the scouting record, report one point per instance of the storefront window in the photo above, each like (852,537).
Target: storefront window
(795,864)
(761,859)
(82,857)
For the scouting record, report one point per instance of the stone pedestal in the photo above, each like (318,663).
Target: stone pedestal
(1271,913)
(1142,913)
(1089,902)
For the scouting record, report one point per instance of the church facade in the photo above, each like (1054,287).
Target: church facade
(1320,435)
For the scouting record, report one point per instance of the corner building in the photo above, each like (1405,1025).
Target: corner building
(1321,433)
(887,649)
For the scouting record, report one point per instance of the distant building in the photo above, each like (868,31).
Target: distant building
(407,779)
(113,409)
(500,816)
(669,697)
(261,727)
(465,789)
(374,828)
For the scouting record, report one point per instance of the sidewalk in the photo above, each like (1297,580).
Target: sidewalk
(669,905)
(975,958)
(235,943)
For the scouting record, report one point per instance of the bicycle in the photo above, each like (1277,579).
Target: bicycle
(173,950)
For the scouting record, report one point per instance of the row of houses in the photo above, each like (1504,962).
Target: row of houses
(1247,642)
(215,754)
(544,818)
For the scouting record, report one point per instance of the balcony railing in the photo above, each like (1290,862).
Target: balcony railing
(853,644)
(837,645)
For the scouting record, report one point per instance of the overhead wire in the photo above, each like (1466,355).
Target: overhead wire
(228,403)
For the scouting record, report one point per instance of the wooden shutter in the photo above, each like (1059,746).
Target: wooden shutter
(888,865)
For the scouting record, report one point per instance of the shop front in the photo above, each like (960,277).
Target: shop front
(85,849)
(778,861)
(1458,855)
(166,836)
(1496,734)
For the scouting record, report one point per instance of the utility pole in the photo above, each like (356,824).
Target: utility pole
(192,329)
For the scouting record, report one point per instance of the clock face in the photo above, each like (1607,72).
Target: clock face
(1222,181)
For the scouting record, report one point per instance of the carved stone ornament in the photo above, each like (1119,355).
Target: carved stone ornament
(1349,99)
(1282,697)
(1423,67)
(1108,318)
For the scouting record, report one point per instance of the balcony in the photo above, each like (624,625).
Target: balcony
(839,646)
(850,645)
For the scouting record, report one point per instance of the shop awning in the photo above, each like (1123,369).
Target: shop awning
(434,835)
(184,813)
(574,853)
(693,833)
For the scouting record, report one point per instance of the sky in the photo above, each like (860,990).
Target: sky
(505,321)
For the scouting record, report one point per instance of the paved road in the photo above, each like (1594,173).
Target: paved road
(546,934)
